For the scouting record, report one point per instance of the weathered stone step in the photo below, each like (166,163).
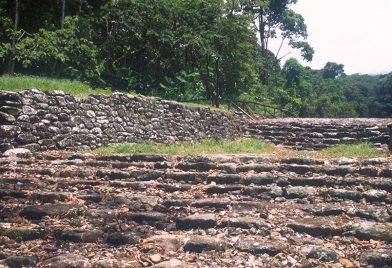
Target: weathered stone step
(37,212)
(82,236)
(135,158)
(337,227)
(24,232)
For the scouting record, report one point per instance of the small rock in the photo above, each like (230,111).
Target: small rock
(167,242)
(299,192)
(27,110)
(6,118)
(258,247)
(323,254)
(20,261)
(122,238)
(173,263)
(155,258)
(375,195)
(18,152)
(67,261)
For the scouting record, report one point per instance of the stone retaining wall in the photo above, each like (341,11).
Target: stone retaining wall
(316,133)
(54,120)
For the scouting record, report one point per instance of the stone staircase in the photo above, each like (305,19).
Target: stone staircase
(316,133)
(62,209)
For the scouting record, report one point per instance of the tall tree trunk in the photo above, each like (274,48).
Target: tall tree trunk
(217,91)
(207,80)
(11,66)
(262,30)
(62,13)
(80,7)
(264,72)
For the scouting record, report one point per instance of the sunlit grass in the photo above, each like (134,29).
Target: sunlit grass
(364,149)
(359,150)
(252,146)
(20,82)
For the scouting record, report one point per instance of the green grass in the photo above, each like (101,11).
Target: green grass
(363,149)
(359,150)
(20,82)
(190,148)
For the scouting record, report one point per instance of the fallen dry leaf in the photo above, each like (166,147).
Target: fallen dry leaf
(346,263)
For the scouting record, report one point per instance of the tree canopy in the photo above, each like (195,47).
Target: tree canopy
(183,50)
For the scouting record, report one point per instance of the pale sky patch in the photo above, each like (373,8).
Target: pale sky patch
(355,33)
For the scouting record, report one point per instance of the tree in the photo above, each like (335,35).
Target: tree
(276,19)
(293,72)
(11,67)
(383,102)
(333,70)
(62,13)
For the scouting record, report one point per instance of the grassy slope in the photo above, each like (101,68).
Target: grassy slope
(188,148)
(21,82)
(251,146)
(360,150)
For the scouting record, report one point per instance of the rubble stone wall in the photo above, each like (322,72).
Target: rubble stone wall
(316,133)
(53,120)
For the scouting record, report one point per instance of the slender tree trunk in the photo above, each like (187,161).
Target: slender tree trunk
(62,13)
(217,93)
(80,7)
(262,30)
(11,66)
(207,81)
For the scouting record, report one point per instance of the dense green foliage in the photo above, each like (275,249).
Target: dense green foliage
(212,50)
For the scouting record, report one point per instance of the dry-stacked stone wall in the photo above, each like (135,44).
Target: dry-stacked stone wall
(316,133)
(54,120)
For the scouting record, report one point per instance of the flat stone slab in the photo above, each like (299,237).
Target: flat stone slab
(299,192)
(83,236)
(37,212)
(66,261)
(20,261)
(202,221)
(323,254)
(378,257)
(371,230)
(122,238)
(205,243)
(316,227)
(245,223)
(259,247)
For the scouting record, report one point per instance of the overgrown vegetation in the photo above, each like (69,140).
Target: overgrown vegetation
(190,148)
(21,82)
(205,50)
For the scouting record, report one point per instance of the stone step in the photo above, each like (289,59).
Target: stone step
(237,210)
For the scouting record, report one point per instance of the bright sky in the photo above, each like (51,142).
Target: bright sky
(356,33)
